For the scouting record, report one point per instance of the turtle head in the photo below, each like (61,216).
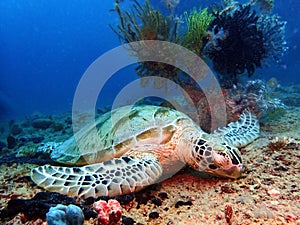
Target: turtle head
(216,159)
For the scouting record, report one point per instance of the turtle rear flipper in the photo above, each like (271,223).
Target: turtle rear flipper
(111,178)
(241,132)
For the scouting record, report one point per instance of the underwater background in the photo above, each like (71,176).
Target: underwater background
(46,46)
(252,46)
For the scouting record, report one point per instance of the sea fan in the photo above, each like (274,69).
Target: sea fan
(274,36)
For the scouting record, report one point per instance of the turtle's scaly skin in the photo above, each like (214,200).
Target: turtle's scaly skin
(135,147)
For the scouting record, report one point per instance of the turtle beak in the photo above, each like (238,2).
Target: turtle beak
(233,171)
(226,165)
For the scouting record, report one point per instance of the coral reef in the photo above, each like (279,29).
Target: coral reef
(234,37)
(65,215)
(143,23)
(39,205)
(109,213)
(235,44)
(42,123)
(197,25)
(38,159)
(267,193)
(241,40)
(257,96)
(48,147)
(146,23)
(291,96)
(273,32)
(2,145)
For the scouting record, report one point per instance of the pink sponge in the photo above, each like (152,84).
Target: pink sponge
(109,213)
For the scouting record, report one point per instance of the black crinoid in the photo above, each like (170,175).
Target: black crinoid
(235,44)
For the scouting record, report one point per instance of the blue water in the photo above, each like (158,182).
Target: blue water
(46,46)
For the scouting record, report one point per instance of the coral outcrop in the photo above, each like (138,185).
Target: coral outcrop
(109,213)
(257,96)
(65,215)
(40,204)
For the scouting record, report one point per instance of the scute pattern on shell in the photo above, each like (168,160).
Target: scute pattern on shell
(119,131)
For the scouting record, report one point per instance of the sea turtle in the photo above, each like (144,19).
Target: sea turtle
(134,147)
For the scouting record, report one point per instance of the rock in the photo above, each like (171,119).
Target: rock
(25,151)
(37,140)
(156,201)
(57,127)
(228,213)
(41,123)
(2,145)
(15,129)
(153,215)
(125,199)
(273,193)
(23,140)
(181,203)
(48,147)
(127,220)
(11,142)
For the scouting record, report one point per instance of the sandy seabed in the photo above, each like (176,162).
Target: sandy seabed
(267,193)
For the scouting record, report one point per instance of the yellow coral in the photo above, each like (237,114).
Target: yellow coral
(197,25)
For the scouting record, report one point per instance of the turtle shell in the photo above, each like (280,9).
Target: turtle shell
(119,131)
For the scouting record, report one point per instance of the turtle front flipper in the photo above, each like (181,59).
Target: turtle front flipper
(111,178)
(241,132)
